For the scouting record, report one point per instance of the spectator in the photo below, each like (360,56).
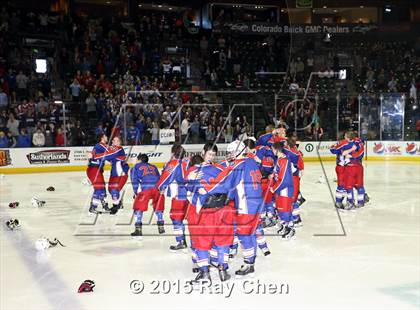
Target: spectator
(12,140)
(418,128)
(4,140)
(155,133)
(392,85)
(4,101)
(38,138)
(185,126)
(133,135)
(210,133)
(13,125)
(91,106)
(99,130)
(59,138)
(228,134)
(24,139)
(22,83)
(413,91)
(195,130)
(75,89)
(49,135)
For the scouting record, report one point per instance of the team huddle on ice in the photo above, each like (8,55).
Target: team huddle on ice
(255,187)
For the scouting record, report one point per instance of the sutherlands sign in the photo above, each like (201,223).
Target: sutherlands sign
(49,157)
(269,28)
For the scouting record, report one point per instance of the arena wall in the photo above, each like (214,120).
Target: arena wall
(51,159)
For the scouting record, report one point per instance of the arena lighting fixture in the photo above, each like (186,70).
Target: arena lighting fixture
(41,65)
(362,6)
(58,101)
(324,6)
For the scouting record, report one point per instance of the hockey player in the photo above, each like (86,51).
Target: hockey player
(172,182)
(267,159)
(119,174)
(282,188)
(276,135)
(354,173)
(144,178)
(100,153)
(266,167)
(338,149)
(297,169)
(244,177)
(210,218)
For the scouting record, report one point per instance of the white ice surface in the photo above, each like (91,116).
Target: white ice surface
(375,265)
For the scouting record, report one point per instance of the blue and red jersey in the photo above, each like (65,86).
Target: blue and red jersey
(119,165)
(338,148)
(267,159)
(243,179)
(208,173)
(144,176)
(358,154)
(172,179)
(296,158)
(283,177)
(101,153)
(268,139)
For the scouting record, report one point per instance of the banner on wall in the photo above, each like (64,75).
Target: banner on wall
(77,157)
(393,148)
(253,28)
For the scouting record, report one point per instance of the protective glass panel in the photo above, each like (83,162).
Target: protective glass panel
(392,117)
(369,116)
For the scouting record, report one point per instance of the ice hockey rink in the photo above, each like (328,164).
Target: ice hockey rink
(373,264)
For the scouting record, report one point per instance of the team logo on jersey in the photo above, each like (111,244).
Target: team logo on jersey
(379,148)
(5,159)
(411,148)
(49,157)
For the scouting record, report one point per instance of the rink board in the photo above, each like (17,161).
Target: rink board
(32,160)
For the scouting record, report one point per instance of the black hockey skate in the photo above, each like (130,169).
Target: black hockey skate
(298,221)
(179,246)
(195,269)
(223,274)
(246,269)
(367,198)
(203,276)
(288,233)
(282,228)
(138,231)
(339,205)
(269,222)
(349,207)
(266,252)
(92,209)
(115,208)
(105,206)
(161,228)
(301,201)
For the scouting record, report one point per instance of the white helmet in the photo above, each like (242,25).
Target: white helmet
(42,244)
(235,148)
